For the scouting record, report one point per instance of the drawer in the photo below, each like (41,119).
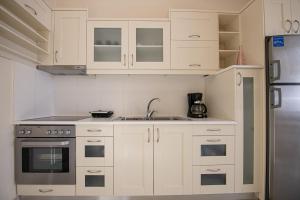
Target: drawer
(213,179)
(39,10)
(213,150)
(94,130)
(214,130)
(46,190)
(94,181)
(94,151)
(194,26)
(195,55)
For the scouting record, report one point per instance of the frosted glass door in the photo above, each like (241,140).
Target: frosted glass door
(107,44)
(149,45)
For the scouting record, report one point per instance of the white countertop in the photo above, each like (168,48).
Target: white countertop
(115,121)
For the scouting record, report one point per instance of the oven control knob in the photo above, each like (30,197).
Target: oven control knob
(60,132)
(68,132)
(28,132)
(21,131)
(55,132)
(49,132)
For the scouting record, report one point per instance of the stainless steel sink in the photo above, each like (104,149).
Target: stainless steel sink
(171,118)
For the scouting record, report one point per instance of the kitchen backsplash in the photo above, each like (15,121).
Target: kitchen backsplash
(124,94)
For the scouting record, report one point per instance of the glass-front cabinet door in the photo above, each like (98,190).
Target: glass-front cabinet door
(107,45)
(94,181)
(249,108)
(149,45)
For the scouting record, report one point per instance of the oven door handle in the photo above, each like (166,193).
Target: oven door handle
(45,143)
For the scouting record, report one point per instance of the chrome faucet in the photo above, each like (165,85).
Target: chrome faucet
(150,112)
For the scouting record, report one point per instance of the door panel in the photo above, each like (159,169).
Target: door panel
(284,144)
(133,160)
(295,16)
(288,71)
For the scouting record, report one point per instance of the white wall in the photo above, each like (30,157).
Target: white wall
(125,95)
(33,92)
(146,8)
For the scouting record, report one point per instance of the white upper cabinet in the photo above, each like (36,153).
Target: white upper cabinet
(194,26)
(149,45)
(282,17)
(107,45)
(70,38)
(133,170)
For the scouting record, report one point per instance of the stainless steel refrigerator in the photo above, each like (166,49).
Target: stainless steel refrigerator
(283,113)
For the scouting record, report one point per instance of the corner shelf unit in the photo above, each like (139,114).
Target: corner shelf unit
(17,31)
(229,39)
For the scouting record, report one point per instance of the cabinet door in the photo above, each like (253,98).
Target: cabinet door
(190,55)
(94,151)
(133,160)
(278,19)
(70,38)
(248,116)
(149,45)
(107,45)
(295,4)
(169,160)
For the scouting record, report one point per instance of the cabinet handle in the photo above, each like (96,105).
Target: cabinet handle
(94,140)
(240,78)
(132,59)
(213,130)
(45,191)
(158,135)
(213,170)
(149,135)
(31,8)
(194,36)
(124,60)
(213,140)
(94,171)
(94,130)
(194,65)
(291,25)
(55,56)
(298,26)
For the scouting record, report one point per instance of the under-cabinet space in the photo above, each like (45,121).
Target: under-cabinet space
(94,181)
(213,179)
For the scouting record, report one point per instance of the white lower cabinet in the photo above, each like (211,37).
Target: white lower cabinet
(213,179)
(46,190)
(94,181)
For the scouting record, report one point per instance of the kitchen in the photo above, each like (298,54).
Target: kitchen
(134,99)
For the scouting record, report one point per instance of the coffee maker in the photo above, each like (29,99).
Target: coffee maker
(196,108)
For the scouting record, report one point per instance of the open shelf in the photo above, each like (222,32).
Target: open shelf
(228,23)
(15,22)
(19,39)
(228,58)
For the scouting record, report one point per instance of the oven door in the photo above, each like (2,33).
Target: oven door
(45,161)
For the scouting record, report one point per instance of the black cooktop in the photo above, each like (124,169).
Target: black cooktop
(59,118)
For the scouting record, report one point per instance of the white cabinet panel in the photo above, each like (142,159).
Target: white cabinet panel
(195,55)
(213,130)
(133,160)
(70,38)
(213,179)
(94,151)
(94,130)
(46,190)
(94,181)
(295,5)
(194,26)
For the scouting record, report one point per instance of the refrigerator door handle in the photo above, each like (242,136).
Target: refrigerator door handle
(273,98)
(275,64)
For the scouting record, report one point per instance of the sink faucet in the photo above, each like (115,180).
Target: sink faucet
(150,112)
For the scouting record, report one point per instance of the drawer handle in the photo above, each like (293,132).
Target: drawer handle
(213,140)
(31,8)
(94,171)
(213,170)
(194,36)
(213,130)
(94,140)
(94,130)
(45,191)
(194,65)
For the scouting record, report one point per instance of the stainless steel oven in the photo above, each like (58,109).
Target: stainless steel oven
(45,154)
